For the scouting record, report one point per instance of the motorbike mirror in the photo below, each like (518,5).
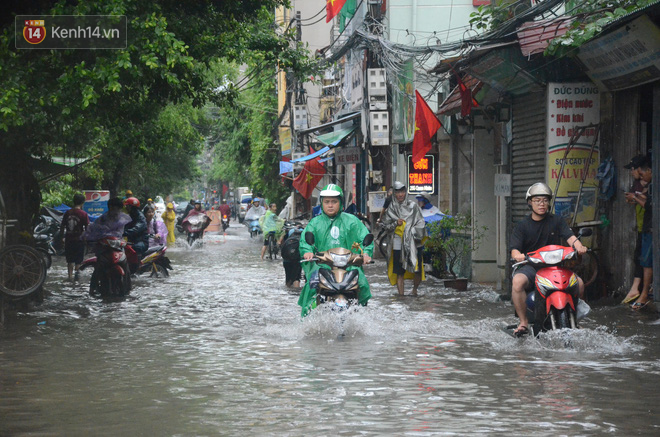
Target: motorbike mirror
(368,239)
(309,238)
(585,232)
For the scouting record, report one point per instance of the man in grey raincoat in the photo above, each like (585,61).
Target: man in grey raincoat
(404,218)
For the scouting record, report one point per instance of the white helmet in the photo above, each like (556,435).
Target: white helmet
(538,189)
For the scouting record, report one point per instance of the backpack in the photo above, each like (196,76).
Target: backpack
(290,247)
(607,176)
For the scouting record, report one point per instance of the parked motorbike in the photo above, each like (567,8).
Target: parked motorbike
(337,285)
(194,226)
(47,238)
(111,276)
(554,303)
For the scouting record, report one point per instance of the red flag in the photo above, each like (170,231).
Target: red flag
(311,174)
(332,8)
(467,100)
(225,188)
(426,125)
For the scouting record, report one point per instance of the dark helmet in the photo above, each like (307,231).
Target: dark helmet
(132,201)
(115,202)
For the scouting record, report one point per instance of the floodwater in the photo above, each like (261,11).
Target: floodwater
(219,348)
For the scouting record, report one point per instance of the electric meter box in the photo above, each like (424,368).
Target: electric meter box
(379,128)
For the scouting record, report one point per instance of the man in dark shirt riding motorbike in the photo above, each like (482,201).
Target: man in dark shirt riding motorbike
(538,229)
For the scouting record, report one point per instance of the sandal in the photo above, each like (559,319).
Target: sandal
(520,331)
(629,299)
(638,305)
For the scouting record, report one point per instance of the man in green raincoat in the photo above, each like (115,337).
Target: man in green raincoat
(332,229)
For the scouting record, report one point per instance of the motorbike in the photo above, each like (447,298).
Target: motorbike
(338,286)
(111,276)
(47,238)
(254,228)
(554,303)
(117,252)
(194,226)
(225,222)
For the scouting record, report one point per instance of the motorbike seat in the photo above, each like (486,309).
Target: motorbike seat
(152,249)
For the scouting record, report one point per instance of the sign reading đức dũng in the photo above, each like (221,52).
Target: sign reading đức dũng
(571,106)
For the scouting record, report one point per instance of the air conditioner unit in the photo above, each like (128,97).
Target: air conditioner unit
(379,128)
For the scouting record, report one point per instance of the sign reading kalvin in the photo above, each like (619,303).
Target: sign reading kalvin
(421,175)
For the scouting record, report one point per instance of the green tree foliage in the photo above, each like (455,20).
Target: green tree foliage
(590,18)
(79,102)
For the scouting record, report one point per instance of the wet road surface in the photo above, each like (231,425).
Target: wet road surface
(219,348)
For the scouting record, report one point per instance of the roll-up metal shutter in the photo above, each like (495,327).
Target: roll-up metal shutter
(528,149)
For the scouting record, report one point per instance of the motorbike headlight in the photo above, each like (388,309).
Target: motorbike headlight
(115,244)
(552,256)
(340,260)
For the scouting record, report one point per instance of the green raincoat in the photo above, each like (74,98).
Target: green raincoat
(341,231)
(270,222)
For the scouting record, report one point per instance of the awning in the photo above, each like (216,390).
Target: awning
(452,104)
(534,36)
(56,166)
(334,138)
(329,124)
(312,156)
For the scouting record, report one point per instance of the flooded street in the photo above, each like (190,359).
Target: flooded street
(219,348)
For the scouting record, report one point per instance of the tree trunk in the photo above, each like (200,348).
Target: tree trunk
(21,194)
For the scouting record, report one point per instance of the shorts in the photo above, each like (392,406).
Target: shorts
(74,251)
(292,271)
(528,271)
(646,255)
(397,267)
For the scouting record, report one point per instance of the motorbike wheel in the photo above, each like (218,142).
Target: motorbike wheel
(564,318)
(48,259)
(541,322)
(382,242)
(22,271)
(157,270)
(94,286)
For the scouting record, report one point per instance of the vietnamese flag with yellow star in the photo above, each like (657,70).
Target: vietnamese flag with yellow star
(426,125)
(332,7)
(309,177)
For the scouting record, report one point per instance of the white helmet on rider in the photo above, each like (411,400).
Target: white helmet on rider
(538,189)
(332,190)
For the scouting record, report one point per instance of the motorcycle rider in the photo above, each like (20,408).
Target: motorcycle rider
(331,229)
(224,209)
(136,231)
(540,228)
(110,223)
(255,211)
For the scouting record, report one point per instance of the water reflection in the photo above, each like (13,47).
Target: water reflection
(219,348)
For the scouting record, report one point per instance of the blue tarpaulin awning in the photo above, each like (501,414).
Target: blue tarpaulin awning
(312,156)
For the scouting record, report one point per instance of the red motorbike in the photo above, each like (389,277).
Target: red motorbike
(116,261)
(554,302)
(111,276)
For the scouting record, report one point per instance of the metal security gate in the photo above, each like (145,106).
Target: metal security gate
(528,149)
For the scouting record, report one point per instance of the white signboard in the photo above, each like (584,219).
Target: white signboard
(377,200)
(626,57)
(347,156)
(503,185)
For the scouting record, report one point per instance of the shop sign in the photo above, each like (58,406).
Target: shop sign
(347,156)
(96,202)
(285,140)
(572,106)
(625,58)
(421,175)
